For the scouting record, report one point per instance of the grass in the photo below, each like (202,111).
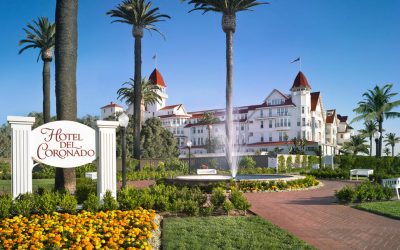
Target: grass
(386,208)
(5,185)
(250,232)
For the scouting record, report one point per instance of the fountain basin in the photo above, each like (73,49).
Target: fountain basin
(204,180)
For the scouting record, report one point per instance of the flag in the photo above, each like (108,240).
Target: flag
(155,56)
(296,60)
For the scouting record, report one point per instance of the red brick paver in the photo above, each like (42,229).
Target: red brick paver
(315,217)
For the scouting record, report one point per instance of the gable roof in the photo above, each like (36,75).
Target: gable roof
(157,78)
(300,81)
(112,105)
(314,100)
(171,106)
(342,118)
(330,118)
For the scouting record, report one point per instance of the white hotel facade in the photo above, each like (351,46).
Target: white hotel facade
(261,127)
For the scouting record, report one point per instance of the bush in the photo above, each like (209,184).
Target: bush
(345,195)
(218,197)
(92,203)
(177,206)
(80,171)
(289,163)
(109,202)
(227,206)
(84,187)
(239,201)
(191,208)
(365,192)
(281,163)
(68,203)
(5,205)
(388,193)
(23,204)
(46,202)
(247,162)
(207,210)
(175,164)
(127,198)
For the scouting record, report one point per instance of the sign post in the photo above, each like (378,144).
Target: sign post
(62,144)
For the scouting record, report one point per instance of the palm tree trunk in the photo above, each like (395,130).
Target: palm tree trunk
(380,138)
(209,138)
(392,150)
(46,91)
(229,108)
(137,123)
(66,58)
(370,145)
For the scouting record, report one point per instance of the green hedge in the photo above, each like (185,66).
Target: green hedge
(366,191)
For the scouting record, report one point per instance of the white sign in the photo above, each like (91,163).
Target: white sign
(272,162)
(64,144)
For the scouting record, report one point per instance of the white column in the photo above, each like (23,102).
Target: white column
(107,158)
(21,161)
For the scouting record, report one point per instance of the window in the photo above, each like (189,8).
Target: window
(270,136)
(270,123)
(261,113)
(298,122)
(302,109)
(242,127)
(270,112)
(298,134)
(304,134)
(104,110)
(281,135)
(341,136)
(194,130)
(262,138)
(303,121)
(251,134)
(319,124)
(261,124)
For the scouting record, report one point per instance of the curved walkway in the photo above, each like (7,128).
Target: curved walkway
(315,217)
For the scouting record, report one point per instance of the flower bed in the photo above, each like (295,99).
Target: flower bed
(254,186)
(85,230)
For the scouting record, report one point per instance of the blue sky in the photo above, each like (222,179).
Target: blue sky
(346,46)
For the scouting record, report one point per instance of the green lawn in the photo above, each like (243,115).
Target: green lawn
(224,232)
(387,208)
(5,185)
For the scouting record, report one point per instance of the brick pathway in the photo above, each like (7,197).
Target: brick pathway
(138,184)
(315,217)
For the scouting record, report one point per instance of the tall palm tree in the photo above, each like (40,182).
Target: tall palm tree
(209,119)
(141,16)
(150,94)
(41,35)
(66,45)
(377,106)
(228,8)
(368,131)
(356,145)
(386,151)
(392,140)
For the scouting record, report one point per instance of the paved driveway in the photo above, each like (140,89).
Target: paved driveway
(315,217)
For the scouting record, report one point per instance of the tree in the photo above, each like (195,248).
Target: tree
(150,94)
(356,145)
(141,16)
(66,45)
(5,141)
(228,8)
(368,131)
(88,120)
(377,106)
(386,151)
(157,142)
(209,119)
(41,35)
(392,140)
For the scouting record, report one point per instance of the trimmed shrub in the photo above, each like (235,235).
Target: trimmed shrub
(191,208)
(247,162)
(227,206)
(207,210)
(218,197)
(46,203)
(68,203)
(92,203)
(5,205)
(84,187)
(345,195)
(109,202)
(23,204)
(239,201)
(388,193)
(281,163)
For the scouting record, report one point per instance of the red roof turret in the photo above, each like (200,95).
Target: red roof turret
(157,78)
(300,82)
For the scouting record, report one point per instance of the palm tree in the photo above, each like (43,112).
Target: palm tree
(150,94)
(377,107)
(356,145)
(141,16)
(386,151)
(66,56)
(209,119)
(41,35)
(368,131)
(228,8)
(392,140)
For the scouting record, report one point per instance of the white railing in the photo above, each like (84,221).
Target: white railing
(393,183)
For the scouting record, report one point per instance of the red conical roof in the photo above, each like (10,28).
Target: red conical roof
(301,81)
(157,78)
